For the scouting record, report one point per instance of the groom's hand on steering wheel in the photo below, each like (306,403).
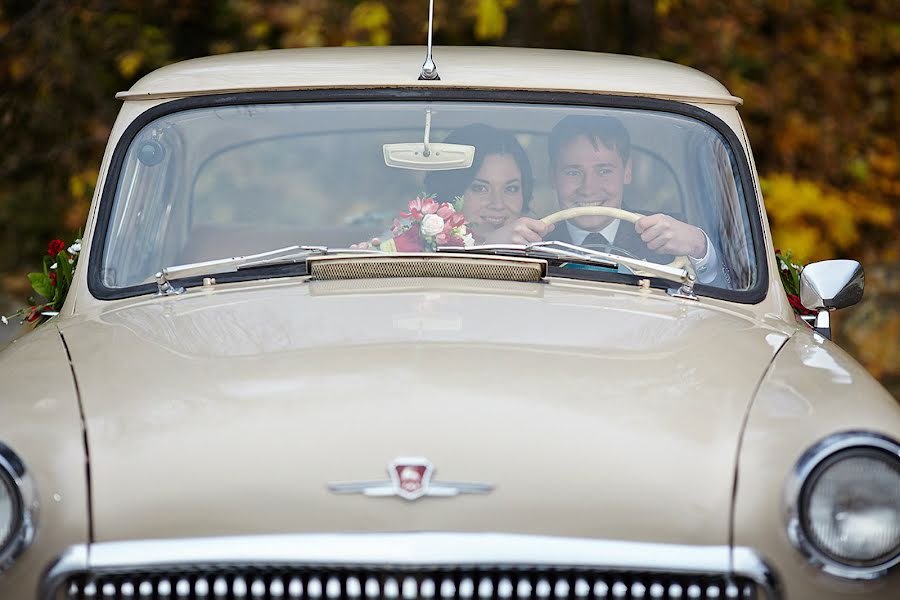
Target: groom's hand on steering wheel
(666,235)
(521,231)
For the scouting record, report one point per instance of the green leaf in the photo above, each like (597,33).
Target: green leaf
(65,270)
(41,284)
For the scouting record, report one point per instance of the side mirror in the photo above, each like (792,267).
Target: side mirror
(830,285)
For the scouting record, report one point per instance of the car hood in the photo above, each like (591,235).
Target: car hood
(592,411)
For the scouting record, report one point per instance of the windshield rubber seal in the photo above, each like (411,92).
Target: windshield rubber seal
(753,295)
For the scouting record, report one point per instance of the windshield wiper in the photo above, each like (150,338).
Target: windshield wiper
(562,252)
(281,256)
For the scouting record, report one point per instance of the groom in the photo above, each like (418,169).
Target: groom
(590,164)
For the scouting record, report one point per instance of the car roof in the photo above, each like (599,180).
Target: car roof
(459,67)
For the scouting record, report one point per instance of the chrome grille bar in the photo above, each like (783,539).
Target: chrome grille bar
(406,567)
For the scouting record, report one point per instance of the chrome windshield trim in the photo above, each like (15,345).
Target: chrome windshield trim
(412,549)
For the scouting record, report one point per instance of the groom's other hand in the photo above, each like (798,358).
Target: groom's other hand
(667,235)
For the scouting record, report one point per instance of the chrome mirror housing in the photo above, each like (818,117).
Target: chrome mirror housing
(831,284)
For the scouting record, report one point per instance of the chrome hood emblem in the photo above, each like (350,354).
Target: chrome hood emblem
(410,479)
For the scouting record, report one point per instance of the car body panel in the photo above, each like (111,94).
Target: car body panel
(460,67)
(813,389)
(219,366)
(47,436)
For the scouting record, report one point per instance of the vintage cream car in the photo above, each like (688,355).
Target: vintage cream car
(247,396)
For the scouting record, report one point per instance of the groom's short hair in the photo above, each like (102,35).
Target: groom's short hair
(608,130)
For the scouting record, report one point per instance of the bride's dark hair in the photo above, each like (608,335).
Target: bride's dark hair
(447,185)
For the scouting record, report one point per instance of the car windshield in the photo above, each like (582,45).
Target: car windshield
(209,183)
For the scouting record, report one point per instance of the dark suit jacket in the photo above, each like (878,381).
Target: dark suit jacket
(628,239)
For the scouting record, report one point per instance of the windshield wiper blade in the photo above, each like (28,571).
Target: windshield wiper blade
(281,256)
(565,252)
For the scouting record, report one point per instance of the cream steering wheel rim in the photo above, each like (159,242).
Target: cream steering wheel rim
(680,262)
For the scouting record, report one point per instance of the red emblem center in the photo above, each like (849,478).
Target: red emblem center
(411,477)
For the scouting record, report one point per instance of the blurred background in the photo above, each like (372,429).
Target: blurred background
(820,81)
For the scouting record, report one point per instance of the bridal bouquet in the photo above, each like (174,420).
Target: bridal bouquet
(428,224)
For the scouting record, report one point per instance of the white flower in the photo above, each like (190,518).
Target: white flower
(468,240)
(432,225)
(53,266)
(75,248)
(4,320)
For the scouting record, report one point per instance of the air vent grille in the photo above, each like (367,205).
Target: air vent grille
(426,265)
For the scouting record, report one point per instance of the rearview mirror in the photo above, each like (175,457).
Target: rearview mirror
(429,157)
(426,156)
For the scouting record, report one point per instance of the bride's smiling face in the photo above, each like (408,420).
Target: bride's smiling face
(494,197)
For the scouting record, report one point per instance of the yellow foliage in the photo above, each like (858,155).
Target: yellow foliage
(129,63)
(259,30)
(663,7)
(816,222)
(490,18)
(374,18)
(310,36)
(81,185)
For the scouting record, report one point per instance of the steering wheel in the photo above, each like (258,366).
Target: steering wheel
(680,262)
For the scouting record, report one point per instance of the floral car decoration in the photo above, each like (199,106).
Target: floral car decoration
(52,283)
(790,278)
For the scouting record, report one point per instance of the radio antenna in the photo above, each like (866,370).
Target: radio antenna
(429,69)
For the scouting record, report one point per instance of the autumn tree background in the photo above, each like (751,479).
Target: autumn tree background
(820,81)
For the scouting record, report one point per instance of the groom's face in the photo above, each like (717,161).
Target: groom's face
(590,174)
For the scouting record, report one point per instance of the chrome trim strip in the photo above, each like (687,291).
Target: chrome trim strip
(412,549)
(793,489)
(27,502)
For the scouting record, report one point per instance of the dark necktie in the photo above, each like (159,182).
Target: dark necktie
(595,239)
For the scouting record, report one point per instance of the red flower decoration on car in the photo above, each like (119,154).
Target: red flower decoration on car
(798,307)
(52,277)
(55,247)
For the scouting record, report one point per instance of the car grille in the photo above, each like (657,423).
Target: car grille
(406,566)
(403,584)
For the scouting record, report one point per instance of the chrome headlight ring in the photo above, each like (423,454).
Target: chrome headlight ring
(814,463)
(23,499)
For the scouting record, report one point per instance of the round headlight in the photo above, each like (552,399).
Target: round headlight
(8,511)
(17,507)
(845,510)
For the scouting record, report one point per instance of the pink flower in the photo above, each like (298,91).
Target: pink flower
(420,207)
(456,220)
(445,210)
